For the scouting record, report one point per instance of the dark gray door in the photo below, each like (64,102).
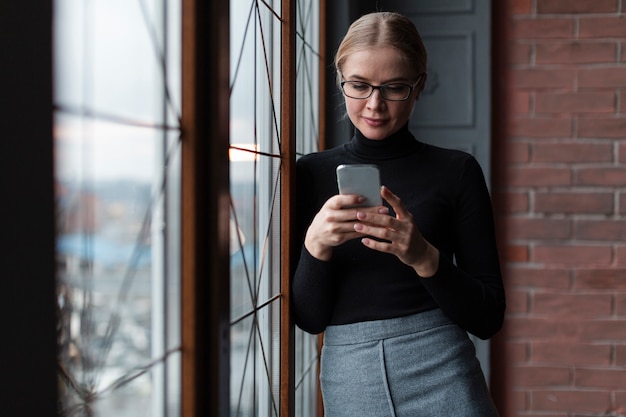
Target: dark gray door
(454,110)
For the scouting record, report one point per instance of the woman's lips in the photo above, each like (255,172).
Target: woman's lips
(373,122)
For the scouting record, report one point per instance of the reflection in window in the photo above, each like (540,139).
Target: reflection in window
(117,173)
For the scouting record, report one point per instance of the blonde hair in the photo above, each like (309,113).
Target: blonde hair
(383,29)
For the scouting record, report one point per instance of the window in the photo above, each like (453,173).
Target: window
(124,292)
(117,95)
(256,151)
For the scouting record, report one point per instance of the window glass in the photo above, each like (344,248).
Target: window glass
(255,170)
(117,89)
(255,208)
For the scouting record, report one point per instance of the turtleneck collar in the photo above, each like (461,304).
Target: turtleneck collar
(399,144)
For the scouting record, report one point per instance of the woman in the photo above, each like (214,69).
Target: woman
(396,287)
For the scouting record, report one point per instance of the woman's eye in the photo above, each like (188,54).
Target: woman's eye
(395,88)
(359,86)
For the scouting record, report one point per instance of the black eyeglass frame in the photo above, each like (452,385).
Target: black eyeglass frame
(381,88)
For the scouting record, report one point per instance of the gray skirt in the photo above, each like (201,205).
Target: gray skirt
(420,365)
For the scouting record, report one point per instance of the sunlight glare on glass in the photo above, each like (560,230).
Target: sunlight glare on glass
(246,152)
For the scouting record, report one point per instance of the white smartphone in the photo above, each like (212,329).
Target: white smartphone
(361,179)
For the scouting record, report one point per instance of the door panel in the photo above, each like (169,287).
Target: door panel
(454,109)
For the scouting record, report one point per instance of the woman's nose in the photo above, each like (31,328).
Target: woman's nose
(375,100)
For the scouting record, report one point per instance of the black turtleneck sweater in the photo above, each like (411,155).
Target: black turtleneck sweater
(446,193)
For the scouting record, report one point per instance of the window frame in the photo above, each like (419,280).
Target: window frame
(206,211)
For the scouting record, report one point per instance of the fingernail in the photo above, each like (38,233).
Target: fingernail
(358,227)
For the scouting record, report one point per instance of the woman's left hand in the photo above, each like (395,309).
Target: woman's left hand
(400,236)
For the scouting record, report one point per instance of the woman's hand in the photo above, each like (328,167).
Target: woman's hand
(334,224)
(400,236)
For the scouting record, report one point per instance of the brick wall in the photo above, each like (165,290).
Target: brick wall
(560,197)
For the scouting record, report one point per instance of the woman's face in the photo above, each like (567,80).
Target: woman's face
(375,117)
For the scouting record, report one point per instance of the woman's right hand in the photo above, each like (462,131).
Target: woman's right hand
(334,225)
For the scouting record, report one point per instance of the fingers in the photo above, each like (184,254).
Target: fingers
(378,219)
(395,202)
(341,201)
(396,235)
(334,224)
(387,233)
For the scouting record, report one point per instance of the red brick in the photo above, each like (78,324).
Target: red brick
(536,177)
(576,6)
(620,355)
(517,352)
(573,203)
(621,152)
(520,103)
(520,53)
(600,230)
(570,400)
(515,202)
(516,253)
(614,77)
(571,255)
(571,305)
(517,152)
(620,399)
(622,203)
(602,27)
(529,228)
(622,100)
(541,376)
(545,278)
(572,152)
(519,327)
(553,127)
(588,102)
(546,414)
(520,7)
(517,301)
(601,176)
(600,279)
(620,305)
(520,401)
(565,331)
(575,53)
(544,79)
(620,255)
(570,353)
(601,330)
(543,28)
(602,128)
(600,378)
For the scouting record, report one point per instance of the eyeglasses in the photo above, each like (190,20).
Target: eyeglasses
(393,92)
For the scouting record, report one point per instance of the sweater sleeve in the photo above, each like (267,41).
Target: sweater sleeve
(469,289)
(312,288)
(313,293)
